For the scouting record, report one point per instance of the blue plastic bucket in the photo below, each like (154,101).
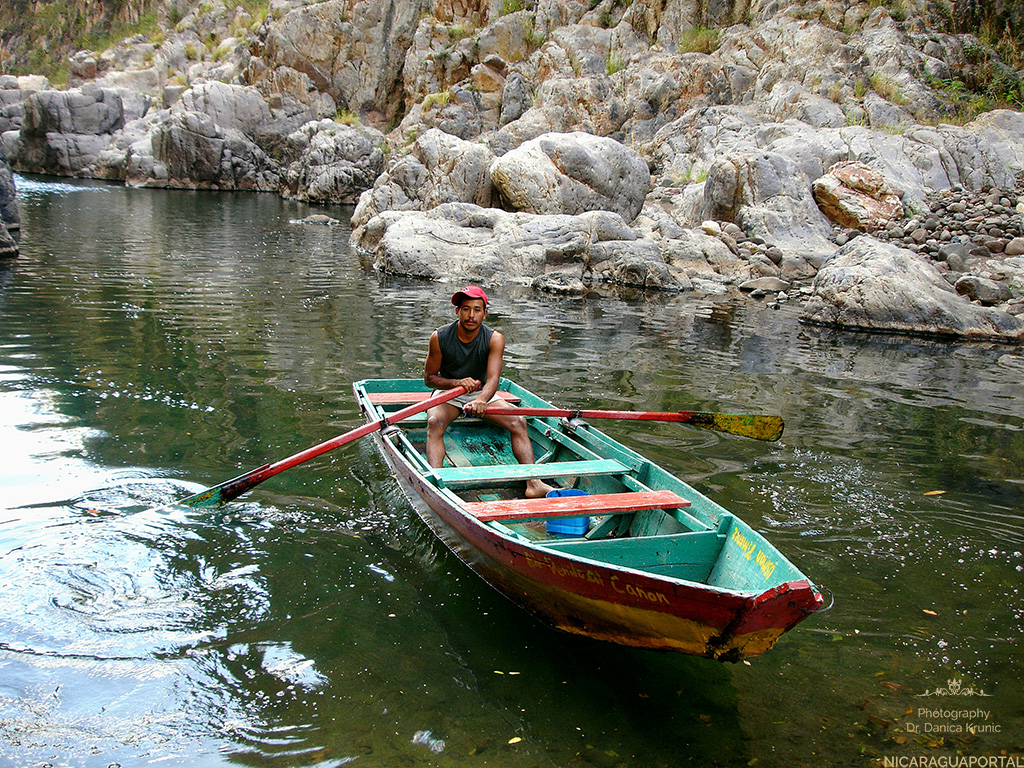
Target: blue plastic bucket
(567,526)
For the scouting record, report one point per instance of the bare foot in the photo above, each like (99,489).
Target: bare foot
(537,489)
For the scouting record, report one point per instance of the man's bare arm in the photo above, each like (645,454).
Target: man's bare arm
(495,362)
(431,370)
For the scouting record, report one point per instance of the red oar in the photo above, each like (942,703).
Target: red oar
(220,495)
(747,425)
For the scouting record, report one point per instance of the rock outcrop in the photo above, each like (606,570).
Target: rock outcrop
(333,163)
(572,173)
(876,286)
(672,145)
(10,219)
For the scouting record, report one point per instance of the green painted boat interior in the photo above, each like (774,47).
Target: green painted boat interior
(701,543)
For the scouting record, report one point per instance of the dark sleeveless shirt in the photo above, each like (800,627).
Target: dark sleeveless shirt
(458,359)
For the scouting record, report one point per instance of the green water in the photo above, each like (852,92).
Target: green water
(153,343)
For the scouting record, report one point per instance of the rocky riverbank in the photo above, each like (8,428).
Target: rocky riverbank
(798,151)
(10,218)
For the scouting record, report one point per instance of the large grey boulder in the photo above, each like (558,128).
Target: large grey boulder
(454,241)
(9,214)
(876,286)
(572,173)
(232,107)
(12,107)
(457,170)
(63,132)
(192,151)
(462,241)
(441,168)
(766,194)
(8,245)
(222,136)
(335,164)
(246,110)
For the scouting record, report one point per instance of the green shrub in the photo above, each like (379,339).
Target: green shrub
(700,40)
(436,100)
(887,88)
(614,63)
(346,117)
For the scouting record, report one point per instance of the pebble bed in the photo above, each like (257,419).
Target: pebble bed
(979,224)
(975,238)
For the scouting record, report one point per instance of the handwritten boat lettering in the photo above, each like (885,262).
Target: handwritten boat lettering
(743,543)
(566,569)
(767,566)
(747,546)
(593,577)
(634,590)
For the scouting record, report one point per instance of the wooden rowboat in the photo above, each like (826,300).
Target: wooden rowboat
(642,559)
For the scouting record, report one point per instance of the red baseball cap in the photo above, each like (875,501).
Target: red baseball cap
(469,292)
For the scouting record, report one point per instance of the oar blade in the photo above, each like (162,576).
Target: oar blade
(745,425)
(211,498)
(219,495)
(767,428)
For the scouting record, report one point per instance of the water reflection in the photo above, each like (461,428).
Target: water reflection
(156,342)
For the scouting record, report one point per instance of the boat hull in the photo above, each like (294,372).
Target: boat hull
(607,602)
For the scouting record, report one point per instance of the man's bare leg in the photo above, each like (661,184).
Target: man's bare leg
(522,448)
(438,419)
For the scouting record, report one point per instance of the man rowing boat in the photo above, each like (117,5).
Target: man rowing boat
(468,353)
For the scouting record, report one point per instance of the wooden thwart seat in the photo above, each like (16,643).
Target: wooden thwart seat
(496,474)
(505,510)
(388,398)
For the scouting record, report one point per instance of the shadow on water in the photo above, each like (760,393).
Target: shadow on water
(180,338)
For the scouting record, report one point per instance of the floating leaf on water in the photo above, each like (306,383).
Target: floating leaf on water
(930,613)
(934,493)
(514,740)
